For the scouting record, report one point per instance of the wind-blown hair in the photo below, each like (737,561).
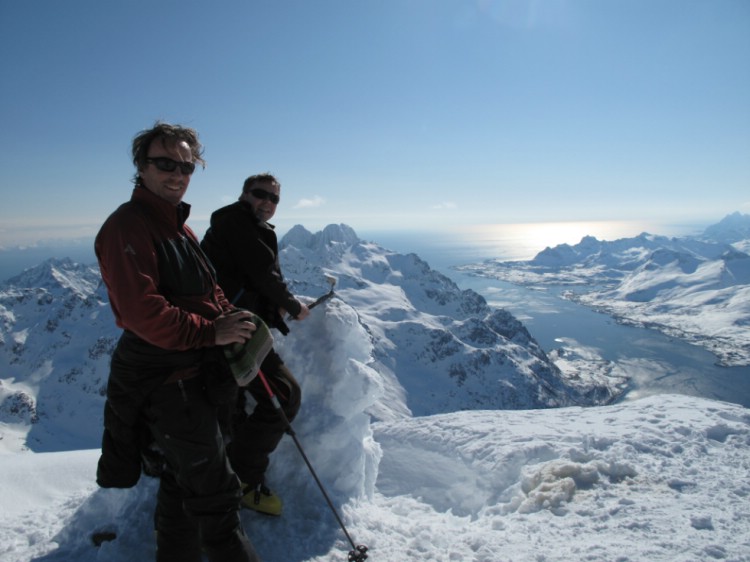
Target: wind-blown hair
(259,178)
(168,134)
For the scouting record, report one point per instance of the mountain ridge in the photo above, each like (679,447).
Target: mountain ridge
(694,288)
(428,346)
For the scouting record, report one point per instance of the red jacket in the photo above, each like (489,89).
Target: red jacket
(161,286)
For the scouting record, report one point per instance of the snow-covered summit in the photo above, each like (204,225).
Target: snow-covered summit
(300,237)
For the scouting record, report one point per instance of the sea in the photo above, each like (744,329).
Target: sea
(657,364)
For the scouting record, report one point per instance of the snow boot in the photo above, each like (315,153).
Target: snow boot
(261,499)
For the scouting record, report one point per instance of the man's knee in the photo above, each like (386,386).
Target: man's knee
(293,400)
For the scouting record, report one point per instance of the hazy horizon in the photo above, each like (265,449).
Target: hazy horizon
(509,241)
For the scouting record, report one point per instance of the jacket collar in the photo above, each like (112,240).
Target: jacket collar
(162,210)
(248,208)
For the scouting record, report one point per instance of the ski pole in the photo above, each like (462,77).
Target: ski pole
(358,552)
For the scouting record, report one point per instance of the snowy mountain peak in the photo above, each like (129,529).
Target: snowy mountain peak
(625,254)
(394,323)
(300,237)
(445,347)
(697,289)
(732,228)
(59,273)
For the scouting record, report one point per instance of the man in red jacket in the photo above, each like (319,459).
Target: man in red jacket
(164,295)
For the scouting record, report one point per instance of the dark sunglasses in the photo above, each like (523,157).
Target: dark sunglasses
(168,165)
(263,194)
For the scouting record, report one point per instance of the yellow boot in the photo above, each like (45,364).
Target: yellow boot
(261,499)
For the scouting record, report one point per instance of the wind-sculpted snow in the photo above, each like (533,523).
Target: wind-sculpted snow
(694,289)
(658,479)
(492,474)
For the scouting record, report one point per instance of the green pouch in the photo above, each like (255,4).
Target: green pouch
(244,359)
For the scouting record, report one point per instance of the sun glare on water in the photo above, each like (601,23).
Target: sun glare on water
(525,240)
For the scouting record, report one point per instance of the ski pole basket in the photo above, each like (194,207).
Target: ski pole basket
(359,554)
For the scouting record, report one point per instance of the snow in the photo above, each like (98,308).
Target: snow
(418,465)
(661,478)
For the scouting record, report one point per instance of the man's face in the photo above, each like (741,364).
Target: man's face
(263,207)
(170,186)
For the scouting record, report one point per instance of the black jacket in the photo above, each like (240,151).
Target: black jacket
(245,253)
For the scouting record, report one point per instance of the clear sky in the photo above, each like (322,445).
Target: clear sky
(381,114)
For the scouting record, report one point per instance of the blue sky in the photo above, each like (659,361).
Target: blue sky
(381,114)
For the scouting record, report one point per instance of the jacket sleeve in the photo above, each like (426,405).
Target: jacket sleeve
(128,264)
(262,275)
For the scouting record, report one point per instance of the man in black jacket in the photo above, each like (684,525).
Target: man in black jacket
(243,248)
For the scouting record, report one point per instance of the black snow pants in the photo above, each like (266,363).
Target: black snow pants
(199,493)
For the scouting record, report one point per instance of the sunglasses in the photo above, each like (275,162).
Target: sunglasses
(265,195)
(168,165)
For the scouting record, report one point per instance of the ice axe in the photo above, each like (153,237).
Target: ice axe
(331,280)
